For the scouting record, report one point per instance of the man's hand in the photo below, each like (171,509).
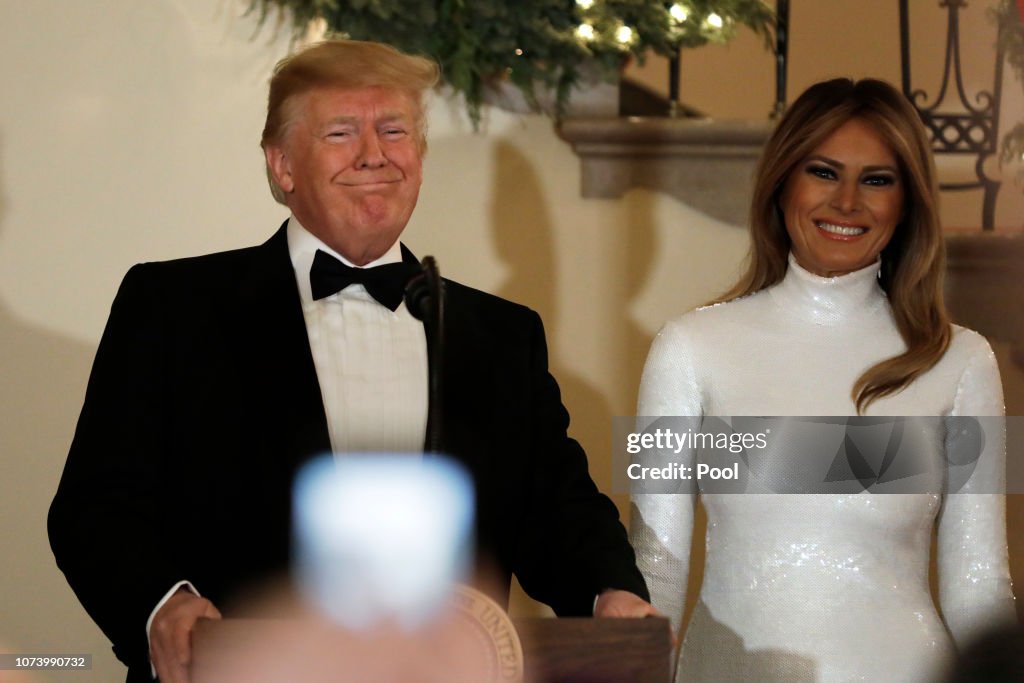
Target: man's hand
(170,635)
(617,603)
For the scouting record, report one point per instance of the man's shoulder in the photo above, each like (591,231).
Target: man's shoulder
(485,306)
(222,268)
(215,262)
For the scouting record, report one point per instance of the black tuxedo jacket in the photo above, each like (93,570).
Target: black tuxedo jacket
(203,400)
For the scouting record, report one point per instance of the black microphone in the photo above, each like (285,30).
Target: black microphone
(424,297)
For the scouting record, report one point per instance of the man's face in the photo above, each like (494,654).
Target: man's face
(351,168)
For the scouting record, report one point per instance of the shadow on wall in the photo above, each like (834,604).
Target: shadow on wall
(523,237)
(639,224)
(44,377)
(524,240)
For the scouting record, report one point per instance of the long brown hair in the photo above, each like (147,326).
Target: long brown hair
(913,262)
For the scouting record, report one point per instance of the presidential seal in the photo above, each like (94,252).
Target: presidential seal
(494,636)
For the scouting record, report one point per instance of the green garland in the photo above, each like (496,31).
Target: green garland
(531,43)
(1011,40)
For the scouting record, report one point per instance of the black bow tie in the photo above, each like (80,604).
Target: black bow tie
(385,283)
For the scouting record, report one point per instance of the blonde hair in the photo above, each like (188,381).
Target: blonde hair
(913,262)
(344,64)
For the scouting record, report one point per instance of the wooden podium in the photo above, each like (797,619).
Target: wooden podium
(554,651)
(596,650)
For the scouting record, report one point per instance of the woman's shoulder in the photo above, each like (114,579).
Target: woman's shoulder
(966,346)
(969,356)
(712,317)
(706,331)
(971,364)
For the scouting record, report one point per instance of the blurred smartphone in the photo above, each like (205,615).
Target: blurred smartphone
(382,537)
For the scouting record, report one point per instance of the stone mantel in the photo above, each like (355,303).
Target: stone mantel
(705,163)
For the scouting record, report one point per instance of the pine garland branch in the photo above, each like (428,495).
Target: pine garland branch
(530,43)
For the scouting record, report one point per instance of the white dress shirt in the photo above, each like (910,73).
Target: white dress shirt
(371,362)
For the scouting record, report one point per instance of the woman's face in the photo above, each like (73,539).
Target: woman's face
(842,203)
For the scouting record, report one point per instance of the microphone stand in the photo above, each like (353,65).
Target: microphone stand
(424,297)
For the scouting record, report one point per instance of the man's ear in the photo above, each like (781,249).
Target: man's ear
(279,166)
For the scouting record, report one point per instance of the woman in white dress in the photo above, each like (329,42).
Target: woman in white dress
(839,313)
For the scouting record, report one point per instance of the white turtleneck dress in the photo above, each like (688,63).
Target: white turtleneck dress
(816,587)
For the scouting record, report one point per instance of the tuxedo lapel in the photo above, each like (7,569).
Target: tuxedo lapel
(468,376)
(275,347)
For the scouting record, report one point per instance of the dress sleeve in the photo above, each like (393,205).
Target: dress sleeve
(974,576)
(661,524)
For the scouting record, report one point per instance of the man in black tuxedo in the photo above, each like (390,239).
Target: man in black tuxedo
(217,376)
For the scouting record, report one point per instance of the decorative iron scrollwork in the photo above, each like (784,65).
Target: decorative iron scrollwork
(975,132)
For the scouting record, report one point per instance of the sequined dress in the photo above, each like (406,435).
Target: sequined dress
(818,587)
